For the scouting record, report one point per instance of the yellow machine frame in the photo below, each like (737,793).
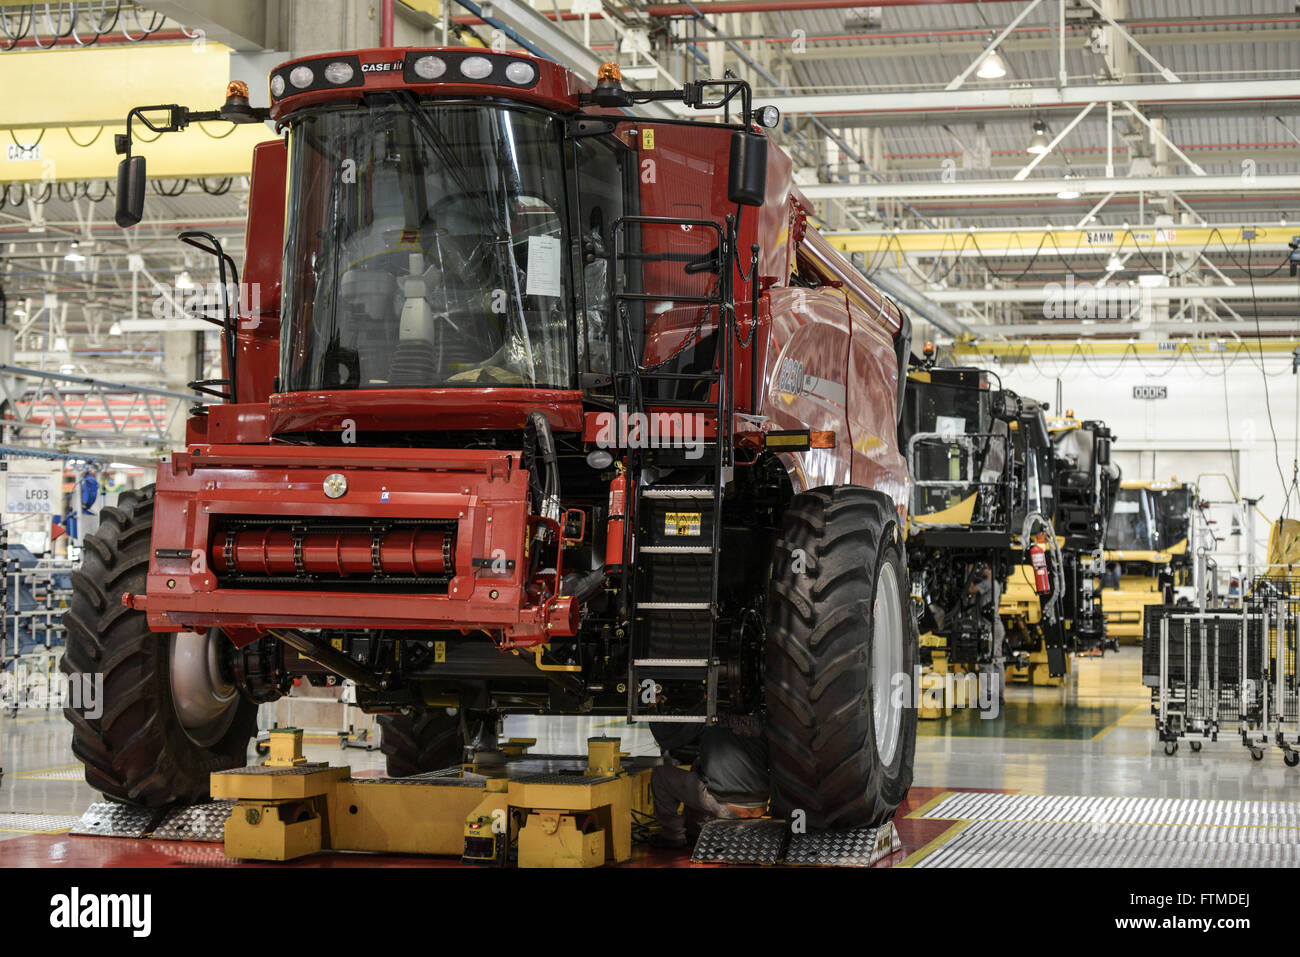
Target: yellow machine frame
(290,808)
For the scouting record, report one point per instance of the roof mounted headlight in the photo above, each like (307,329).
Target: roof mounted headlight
(521,72)
(476,67)
(302,77)
(767,116)
(277,86)
(429,67)
(339,72)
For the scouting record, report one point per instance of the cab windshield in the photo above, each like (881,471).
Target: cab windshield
(426,248)
(1132,527)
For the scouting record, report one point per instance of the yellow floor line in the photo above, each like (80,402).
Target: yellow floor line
(1118,721)
(930,804)
(12,830)
(57,767)
(921,853)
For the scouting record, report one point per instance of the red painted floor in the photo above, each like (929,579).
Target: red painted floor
(63,850)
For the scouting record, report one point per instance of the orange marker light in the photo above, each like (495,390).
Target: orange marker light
(928,348)
(609,71)
(237,88)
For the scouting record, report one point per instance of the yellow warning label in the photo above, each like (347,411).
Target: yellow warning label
(682,523)
(647,139)
(439,651)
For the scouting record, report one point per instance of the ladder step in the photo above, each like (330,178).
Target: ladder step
(702,491)
(674,606)
(671,662)
(667,550)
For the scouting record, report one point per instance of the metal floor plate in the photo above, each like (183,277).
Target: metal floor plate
(110,819)
(1025,830)
(740,842)
(198,822)
(972,806)
(1036,844)
(20,822)
(769,841)
(856,847)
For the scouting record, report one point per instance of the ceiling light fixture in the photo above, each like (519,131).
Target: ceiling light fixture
(992,67)
(1068,191)
(1038,143)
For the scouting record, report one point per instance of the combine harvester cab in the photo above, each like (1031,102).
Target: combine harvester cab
(544,408)
(1150,546)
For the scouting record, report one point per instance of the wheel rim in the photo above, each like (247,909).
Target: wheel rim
(204,699)
(886,662)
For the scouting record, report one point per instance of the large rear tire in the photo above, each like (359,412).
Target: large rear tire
(168,714)
(840,654)
(416,744)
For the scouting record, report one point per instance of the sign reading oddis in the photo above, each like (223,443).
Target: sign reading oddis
(1150,392)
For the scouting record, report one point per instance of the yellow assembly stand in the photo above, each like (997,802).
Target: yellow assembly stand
(571,817)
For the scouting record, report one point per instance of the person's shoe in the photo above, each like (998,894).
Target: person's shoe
(666,843)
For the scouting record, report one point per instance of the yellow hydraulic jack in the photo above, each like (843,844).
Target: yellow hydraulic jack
(553,813)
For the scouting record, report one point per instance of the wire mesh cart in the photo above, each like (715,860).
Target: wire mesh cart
(1227,670)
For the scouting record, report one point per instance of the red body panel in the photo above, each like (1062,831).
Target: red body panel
(258,341)
(423,409)
(483,493)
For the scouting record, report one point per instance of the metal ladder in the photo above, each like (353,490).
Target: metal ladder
(670,583)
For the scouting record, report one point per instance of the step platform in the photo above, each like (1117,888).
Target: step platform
(772,842)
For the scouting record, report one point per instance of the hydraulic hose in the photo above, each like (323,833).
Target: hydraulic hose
(538,433)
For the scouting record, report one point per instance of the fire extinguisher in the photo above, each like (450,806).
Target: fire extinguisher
(1038,558)
(617,520)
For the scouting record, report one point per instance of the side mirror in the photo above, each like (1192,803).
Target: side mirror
(1103,452)
(130,191)
(747,169)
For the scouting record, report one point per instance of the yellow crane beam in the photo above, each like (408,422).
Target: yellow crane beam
(1066,242)
(73,101)
(1102,348)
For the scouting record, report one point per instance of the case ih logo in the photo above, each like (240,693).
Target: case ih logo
(381,67)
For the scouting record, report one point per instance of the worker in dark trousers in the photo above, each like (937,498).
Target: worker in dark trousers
(729,780)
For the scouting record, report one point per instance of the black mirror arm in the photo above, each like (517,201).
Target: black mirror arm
(178,117)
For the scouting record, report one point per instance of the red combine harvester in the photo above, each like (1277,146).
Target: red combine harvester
(540,407)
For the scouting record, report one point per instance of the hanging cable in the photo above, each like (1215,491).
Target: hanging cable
(93,139)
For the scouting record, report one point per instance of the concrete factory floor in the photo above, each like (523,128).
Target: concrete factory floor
(973,800)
